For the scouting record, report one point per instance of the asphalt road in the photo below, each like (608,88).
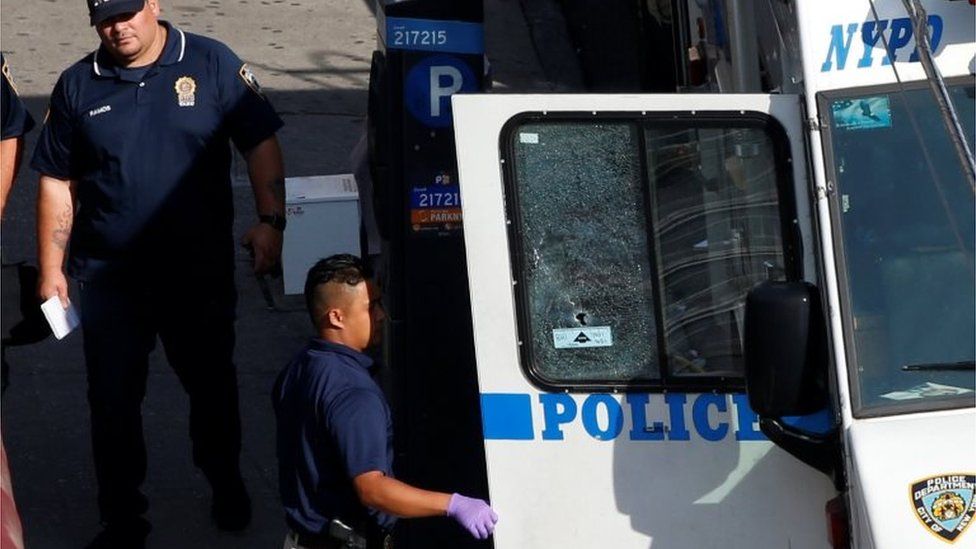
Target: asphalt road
(312,59)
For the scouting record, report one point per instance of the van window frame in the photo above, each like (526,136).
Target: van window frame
(859,409)
(789,234)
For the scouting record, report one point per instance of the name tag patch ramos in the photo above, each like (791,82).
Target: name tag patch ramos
(945,504)
(186,91)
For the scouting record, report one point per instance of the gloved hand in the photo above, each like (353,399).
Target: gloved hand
(473,514)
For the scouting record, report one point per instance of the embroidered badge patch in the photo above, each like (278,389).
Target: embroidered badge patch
(6,74)
(186,91)
(248,77)
(945,504)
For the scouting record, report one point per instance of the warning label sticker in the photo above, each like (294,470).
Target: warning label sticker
(582,337)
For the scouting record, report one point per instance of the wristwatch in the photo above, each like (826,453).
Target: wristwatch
(277,221)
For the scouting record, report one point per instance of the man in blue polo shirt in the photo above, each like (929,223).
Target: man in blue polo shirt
(135,174)
(15,121)
(335,436)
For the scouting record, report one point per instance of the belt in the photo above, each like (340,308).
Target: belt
(316,541)
(350,540)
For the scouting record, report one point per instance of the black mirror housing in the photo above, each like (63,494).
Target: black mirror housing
(785,349)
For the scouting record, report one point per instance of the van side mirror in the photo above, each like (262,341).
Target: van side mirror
(786,368)
(785,349)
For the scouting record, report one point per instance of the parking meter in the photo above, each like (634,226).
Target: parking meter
(429,51)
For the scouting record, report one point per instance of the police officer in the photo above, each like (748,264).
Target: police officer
(334,445)
(135,174)
(16,122)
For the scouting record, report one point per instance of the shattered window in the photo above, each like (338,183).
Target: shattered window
(583,234)
(636,243)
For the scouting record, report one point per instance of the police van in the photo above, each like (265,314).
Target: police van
(739,318)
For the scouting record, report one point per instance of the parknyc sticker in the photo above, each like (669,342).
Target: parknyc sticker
(945,504)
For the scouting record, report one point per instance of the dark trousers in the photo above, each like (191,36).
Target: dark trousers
(194,319)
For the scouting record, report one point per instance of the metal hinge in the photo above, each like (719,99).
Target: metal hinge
(821,192)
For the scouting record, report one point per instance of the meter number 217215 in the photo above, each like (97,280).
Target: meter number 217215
(419,37)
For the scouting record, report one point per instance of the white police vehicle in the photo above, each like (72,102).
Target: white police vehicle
(612,241)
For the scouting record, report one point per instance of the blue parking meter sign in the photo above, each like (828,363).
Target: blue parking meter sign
(431,83)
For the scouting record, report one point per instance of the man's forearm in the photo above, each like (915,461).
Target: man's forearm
(266,170)
(397,498)
(55,216)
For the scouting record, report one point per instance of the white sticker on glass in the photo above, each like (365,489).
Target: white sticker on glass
(579,338)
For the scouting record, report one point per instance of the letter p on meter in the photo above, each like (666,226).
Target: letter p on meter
(438,75)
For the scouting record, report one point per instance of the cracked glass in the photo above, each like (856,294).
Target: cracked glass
(584,245)
(636,252)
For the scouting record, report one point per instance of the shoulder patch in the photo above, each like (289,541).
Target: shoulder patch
(250,80)
(6,75)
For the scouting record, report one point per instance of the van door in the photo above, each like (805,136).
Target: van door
(610,241)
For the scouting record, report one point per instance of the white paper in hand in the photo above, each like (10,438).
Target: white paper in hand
(61,320)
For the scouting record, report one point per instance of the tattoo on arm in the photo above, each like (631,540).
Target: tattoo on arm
(62,233)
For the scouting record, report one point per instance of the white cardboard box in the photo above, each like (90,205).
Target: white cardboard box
(323,219)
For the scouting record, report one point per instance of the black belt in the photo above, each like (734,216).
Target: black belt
(344,540)
(318,541)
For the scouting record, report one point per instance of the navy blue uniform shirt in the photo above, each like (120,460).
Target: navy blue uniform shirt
(333,425)
(15,119)
(149,150)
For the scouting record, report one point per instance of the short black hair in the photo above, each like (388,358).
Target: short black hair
(339,268)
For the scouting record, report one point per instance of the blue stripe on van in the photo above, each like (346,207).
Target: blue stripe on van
(818,423)
(506,416)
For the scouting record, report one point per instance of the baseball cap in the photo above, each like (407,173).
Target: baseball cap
(100,10)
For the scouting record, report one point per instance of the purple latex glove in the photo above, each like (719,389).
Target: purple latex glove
(473,514)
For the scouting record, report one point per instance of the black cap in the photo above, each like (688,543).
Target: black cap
(100,10)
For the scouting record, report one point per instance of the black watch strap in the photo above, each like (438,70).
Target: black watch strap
(275,220)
